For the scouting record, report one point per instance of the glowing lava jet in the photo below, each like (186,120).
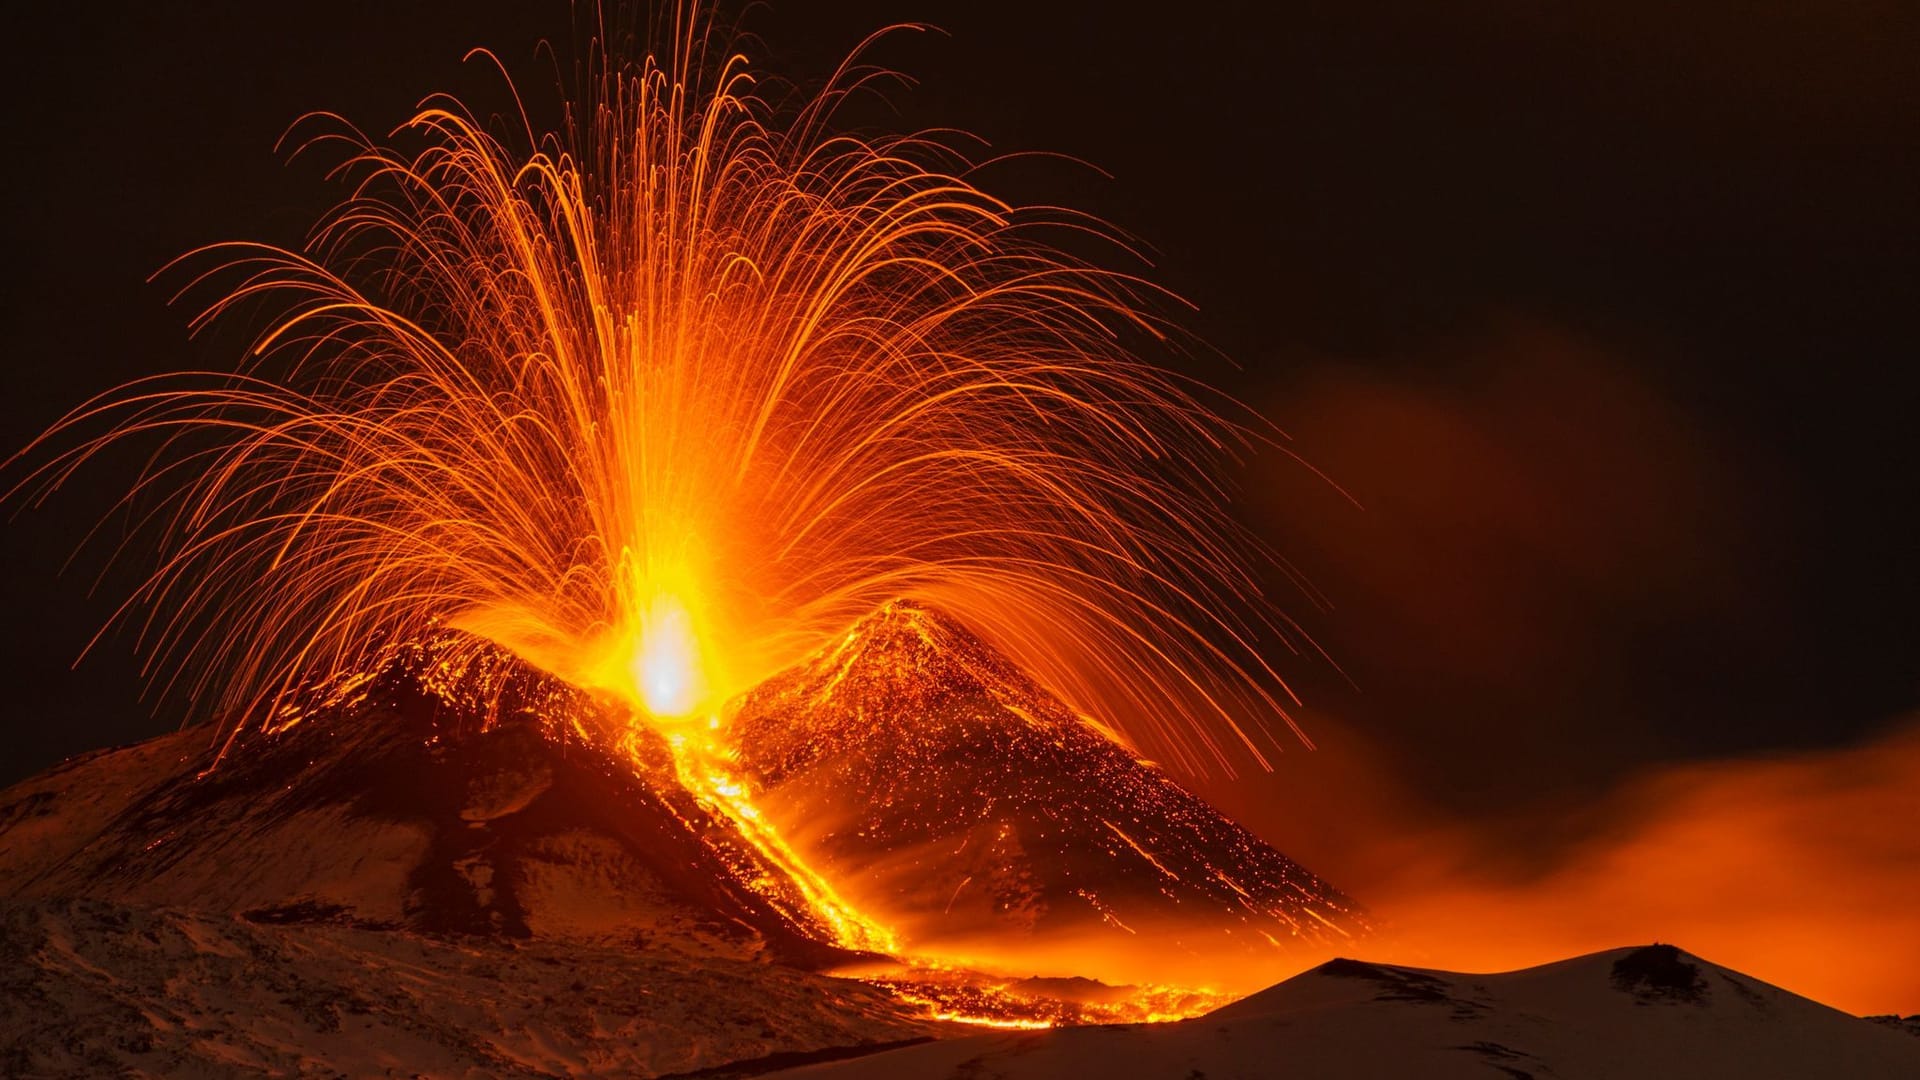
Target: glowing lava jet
(667,674)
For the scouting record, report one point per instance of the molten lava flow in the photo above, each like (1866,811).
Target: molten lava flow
(701,765)
(667,674)
(942,990)
(963,996)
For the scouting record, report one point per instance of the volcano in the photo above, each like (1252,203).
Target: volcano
(457,865)
(458,848)
(459,790)
(957,797)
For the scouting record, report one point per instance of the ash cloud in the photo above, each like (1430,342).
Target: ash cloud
(1554,563)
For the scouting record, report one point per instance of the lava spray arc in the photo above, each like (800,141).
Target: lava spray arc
(668,397)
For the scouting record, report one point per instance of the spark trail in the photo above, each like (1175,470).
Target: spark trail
(665,399)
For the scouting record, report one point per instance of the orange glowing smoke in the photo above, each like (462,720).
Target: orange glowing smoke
(1799,870)
(663,400)
(1518,563)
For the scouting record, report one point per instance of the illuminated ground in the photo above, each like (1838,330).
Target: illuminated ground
(89,988)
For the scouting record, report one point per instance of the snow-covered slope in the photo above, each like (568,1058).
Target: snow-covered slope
(1634,1013)
(89,988)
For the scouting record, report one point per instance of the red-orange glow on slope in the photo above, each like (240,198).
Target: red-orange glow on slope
(1800,870)
(954,800)
(946,986)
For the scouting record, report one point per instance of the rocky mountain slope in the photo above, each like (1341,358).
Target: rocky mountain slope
(958,798)
(91,988)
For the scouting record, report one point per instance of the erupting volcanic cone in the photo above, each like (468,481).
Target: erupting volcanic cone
(952,795)
(457,789)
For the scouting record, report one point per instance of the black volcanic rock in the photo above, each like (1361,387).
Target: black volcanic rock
(1658,973)
(411,799)
(1907,1025)
(958,797)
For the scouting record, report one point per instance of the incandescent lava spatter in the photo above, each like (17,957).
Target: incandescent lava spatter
(959,799)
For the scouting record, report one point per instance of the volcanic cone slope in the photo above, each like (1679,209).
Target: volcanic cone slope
(410,799)
(959,798)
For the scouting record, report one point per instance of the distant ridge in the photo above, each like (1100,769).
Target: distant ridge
(1644,1013)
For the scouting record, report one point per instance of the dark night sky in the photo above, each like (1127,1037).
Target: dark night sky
(1606,318)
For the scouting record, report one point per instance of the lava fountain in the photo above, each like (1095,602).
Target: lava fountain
(662,401)
(668,397)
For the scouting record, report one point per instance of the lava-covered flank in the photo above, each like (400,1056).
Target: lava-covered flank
(963,799)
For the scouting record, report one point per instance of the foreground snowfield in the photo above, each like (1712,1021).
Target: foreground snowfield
(1653,1011)
(89,988)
